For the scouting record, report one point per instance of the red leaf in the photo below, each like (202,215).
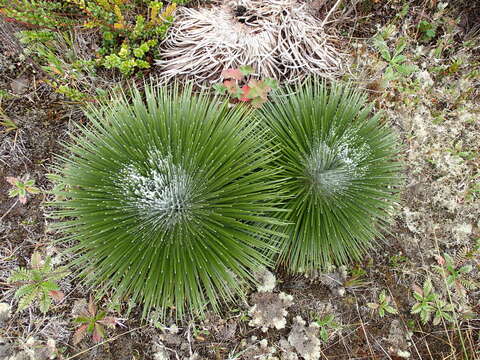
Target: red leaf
(440,260)
(79,334)
(57,295)
(98,333)
(232,74)
(245,91)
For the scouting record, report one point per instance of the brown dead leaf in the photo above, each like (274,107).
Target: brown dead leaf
(235,74)
(417,289)
(79,334)
(57,295)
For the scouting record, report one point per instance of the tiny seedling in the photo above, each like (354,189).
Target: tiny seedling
(473,191)
(442,311)
(397,261)
(22,188)
(326,324)
(383,306)
(199,333)
(6,122)
(429,303)
(93,322)
(404,12)
(396,66)
(241,87)
(455,275)
(470,253)
(356,278)
(242,315)
(38,283)
(427,30)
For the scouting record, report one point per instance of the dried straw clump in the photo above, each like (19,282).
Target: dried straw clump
(281,39)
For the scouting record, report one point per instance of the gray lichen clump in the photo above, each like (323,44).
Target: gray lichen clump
(304,339)
(270,310)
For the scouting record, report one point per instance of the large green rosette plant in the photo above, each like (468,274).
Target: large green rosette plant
(169,199)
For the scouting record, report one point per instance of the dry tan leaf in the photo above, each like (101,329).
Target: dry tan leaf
(79,334)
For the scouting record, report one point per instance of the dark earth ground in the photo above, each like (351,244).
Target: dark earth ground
(437,215)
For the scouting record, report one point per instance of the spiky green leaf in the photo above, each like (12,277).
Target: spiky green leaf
(342,172)
(45,302)
(19,275)
(26,290)
(26,300)
(170,199)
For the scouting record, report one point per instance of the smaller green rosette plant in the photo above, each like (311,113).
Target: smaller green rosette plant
(342,173)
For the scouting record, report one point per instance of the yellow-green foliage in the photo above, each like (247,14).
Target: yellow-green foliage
(130,30)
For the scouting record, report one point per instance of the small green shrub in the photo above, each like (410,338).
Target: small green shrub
(37,14)
(427,30)
(455,273)
(130,30)
(170,201)
(241,87)
(397,67)
(429,304)
(341,169)
(38,283)
(383,306)
(91,321)
(22,188)
(68,75)
(327,326)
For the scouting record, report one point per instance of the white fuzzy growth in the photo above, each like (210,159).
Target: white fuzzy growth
(267,281)
(331,169)
(4,312)
(163,195)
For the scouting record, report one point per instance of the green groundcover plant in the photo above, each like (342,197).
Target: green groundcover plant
(129,30)
(170,200)
(342,173)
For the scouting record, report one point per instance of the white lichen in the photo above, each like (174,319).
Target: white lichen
(266,281)
(34,349)
(159,190)
(270,310)
(258,350)
(4,312)
(404,354)
(462,232)
(304,339)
